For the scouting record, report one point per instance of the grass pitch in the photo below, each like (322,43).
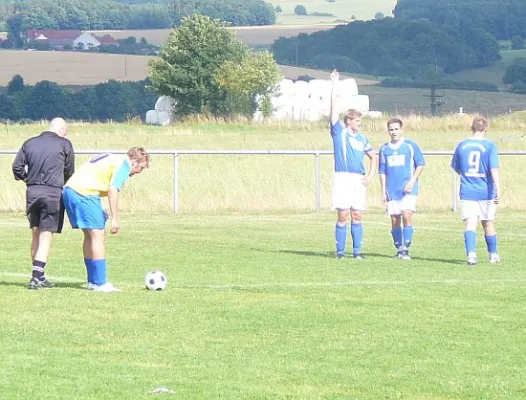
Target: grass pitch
(257,308)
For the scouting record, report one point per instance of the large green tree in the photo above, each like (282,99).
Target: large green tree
(190,62)
(515,75)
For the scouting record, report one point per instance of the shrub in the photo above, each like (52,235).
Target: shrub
(517,43)
(278,9)
(300,10)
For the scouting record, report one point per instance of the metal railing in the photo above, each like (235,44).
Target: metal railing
(316,153)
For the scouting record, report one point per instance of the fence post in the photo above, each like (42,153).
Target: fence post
(176,182)
(317,179)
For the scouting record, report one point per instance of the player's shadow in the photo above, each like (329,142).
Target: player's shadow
(326,254)
(69,285)
(439,260)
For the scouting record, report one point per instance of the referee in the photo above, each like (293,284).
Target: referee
(44,162)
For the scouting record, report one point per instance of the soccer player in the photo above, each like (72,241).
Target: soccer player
(44,163)
(476,160)
(103,175)
(401,164)
(350,178)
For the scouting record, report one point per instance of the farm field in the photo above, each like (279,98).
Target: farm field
(494,73)
(341,9)
(257,307)
(250,35)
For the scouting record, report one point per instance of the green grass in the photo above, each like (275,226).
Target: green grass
(341,9)
(257,308)
(494,73)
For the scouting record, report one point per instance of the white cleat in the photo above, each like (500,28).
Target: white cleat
(472,259)
(104,288)
(494,258)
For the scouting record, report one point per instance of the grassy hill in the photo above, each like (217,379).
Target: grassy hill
(494,73)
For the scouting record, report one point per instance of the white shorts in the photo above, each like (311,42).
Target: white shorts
(406,203)
(485,210)
(348,191)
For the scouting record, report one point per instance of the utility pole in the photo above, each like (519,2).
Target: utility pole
(436,103)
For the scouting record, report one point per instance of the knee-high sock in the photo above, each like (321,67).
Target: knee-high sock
(99,272)
(470,241)
(357,237)
(397,237)
(491,242)
(341,237)
(408,235)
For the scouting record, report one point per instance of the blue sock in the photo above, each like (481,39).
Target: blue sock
(341,238)
(88,262)
(491,242)
(397,237)
(357,237)
(99,272)
(470,241)
(408,235)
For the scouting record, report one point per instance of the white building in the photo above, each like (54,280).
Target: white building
(86,40)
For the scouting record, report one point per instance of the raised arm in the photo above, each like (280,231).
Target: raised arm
(335,78)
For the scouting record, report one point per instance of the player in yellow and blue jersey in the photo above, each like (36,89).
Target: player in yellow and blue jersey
(400,165)
(103,175)
(476,160)
(350,178)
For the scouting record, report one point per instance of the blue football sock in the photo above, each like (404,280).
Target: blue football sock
(408,235)
(341,238)
(357,237)
(99,272)
(397,237)
(88,262)
(470,241)
(491,242)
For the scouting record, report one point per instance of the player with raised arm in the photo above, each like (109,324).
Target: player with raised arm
(350,178)
(476,160)
(103,175)
(400,165)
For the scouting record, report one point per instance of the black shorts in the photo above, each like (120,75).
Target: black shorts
(44,208)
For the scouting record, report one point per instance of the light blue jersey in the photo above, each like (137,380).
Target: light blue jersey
(473,160)
(398,163)
(349,149)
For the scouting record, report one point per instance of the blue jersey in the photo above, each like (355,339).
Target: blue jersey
(473,160)
(398,163)
(349,149)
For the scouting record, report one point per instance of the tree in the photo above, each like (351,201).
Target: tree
(517,43)
(278,9)
(189,61)
(300,10)
(16,84)
(256,76)
(47,100)
(379,15)
(515,75)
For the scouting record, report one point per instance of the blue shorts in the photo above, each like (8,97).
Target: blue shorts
(84,212)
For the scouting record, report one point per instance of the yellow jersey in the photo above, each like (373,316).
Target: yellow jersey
(95,176)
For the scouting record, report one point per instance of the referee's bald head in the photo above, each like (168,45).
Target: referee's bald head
(59,126)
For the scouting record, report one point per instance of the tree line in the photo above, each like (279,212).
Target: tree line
(390,47)
(19,16)
(112,100)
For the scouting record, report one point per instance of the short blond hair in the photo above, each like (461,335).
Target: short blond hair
(351,114)
(479,124)
(139,154)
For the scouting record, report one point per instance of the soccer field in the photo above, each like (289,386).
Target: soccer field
(257,308)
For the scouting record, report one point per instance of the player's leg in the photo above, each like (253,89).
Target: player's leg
(341,232)
(341,201)
(94,256)
(396,232)
(470,215)
(357,233)
(35,233)
(490,231)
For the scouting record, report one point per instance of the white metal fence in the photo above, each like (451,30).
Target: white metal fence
(316,154)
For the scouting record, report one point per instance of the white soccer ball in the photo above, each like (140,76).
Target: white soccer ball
(155,280)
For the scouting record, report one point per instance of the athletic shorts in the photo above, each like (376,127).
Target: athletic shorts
(44,208)
(84,212)
(348,191)
(406,203)
(485,210)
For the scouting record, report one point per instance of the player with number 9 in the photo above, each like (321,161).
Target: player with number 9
(102,176)
(476,160)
